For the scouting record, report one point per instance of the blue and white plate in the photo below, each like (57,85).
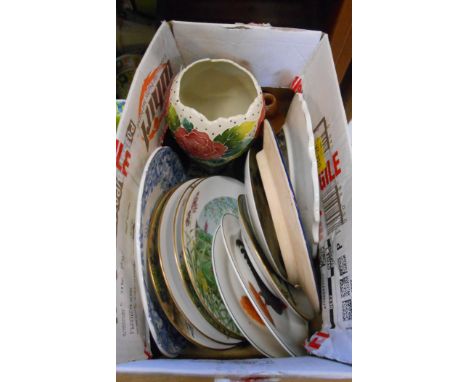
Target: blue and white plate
(162,171)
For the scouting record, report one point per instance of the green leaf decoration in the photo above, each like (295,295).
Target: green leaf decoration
(188,126)
(234,136)
(172,119)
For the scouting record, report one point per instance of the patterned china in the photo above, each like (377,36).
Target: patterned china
(159,289)
(239,305)
(289,329)
(205,206)
(162,171)
(293,297)
(214,109)
(172,277)
(182,268)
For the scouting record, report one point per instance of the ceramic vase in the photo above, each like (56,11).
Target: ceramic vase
(214,109)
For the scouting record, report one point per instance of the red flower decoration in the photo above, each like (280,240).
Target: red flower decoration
(198,144)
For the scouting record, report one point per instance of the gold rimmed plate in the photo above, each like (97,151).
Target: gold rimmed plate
(179,257)
(162,171)
(159,290)
(172,277)
(207,203)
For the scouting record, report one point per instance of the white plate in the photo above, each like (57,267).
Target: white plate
(239,304)
(172,276)
(159,289)
(286,219)
(260,216)
(162,171)
(286,326)
(295,298)
(302,164)
(206,204)
(179,257)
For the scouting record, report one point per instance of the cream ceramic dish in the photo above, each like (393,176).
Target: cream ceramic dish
(295,298)
(260,216)
(172,277)
(214,110)
(302,164)
(286,218)
(289,329)
(238,303)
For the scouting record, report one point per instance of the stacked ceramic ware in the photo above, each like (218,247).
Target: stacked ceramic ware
(223,263)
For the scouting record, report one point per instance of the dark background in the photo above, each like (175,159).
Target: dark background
(137,21)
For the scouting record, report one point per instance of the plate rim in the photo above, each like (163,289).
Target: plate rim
(140,272)
(185,255)
(228,265)
(272,330)
(166,277)
(154,227)
(261,263)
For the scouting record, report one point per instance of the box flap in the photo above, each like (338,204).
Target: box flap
(273,55)
(310,367)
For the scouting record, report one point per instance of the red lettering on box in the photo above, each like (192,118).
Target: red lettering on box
(122,167)
(331,171)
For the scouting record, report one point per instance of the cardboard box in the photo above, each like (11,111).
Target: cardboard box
(275,56)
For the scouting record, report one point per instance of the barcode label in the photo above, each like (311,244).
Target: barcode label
(342,265)
(332,209)
(347,310)
(328,167)
(345,287)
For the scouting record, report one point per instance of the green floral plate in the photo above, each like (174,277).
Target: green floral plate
(206,205)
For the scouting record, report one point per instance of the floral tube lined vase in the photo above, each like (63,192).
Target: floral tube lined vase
(214,109)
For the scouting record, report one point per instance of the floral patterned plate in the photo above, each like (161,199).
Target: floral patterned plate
(182,268)
(289,329)
(162,171)
(242,311)
(173,279)
(206,205)
(160,290)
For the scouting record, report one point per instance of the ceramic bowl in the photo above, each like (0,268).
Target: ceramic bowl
(214,110)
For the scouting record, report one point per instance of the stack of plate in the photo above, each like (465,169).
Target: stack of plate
(221,263)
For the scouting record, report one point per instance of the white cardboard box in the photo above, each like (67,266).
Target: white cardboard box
(274,56)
